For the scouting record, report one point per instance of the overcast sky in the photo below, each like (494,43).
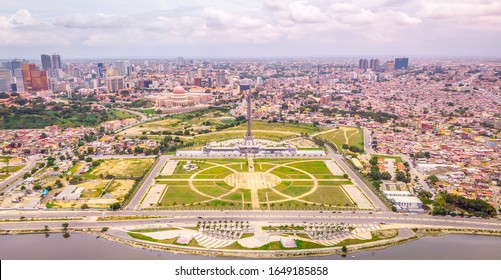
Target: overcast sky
(245,28)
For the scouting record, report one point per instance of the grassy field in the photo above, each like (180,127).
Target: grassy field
(283,127)
(396,158)
(334,196)
(10,169)
(179,196)
(209,120)
(121,115)
(228,135)
(121,168)
(352,136)
(313,167)
(4,159)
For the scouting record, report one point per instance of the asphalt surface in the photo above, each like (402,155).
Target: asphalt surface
(354,178)
(282,217)
(17,178)
(158,165)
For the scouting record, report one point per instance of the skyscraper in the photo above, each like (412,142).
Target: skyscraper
(56,61)
(363,63)
(401,63)
(115,83)
(34,79)
(374,64)
(101,70)
(46,61)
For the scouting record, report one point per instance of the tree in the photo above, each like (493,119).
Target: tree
(373,161)
(385,176)
(344,249)
(65,226)
(401,176)
(432,178)
(115,206)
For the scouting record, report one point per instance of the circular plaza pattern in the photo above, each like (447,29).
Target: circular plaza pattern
(252,180)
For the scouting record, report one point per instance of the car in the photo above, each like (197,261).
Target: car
(382,223)
(199,217)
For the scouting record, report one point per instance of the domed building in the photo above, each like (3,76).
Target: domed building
(179,97)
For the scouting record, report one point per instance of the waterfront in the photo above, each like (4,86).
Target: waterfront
(87,246)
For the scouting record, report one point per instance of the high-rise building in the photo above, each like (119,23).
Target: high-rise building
(114,83)
(122,66)
(220,79)
(4,86)
(198,82)
(363,63)
(180,60)
(56,61)
(374,64)
(325,99)
(46,61)
(390,65)
(6,75)
(34,79)
(14,64)
(18,76)
(259,81)
(401,63)
(101,70)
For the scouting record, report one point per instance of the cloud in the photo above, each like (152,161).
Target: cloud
(101,21)
(304,27)
(303,13)
(459,9)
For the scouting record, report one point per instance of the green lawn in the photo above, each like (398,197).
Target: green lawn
(237,196)
(4,159)
(296,191)
(180,195)
(313,167)
(353,137)
(272,196)
(334,196)
(213,191)
(283,127)
(228,135)
(10,169)
(121,115)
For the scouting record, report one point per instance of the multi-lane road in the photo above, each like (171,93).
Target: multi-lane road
(16,179)
(146,183)
(354,178)
(88,218)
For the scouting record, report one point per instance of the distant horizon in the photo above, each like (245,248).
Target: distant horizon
(254,29)
(63,57)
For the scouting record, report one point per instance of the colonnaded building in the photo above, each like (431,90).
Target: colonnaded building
(179,98)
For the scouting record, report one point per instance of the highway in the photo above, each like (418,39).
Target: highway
(16,179)
(281,217)
(155,170)
(354,178)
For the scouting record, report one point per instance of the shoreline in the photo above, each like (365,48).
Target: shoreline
(270,254)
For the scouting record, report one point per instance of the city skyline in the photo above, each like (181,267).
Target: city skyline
(259,29)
